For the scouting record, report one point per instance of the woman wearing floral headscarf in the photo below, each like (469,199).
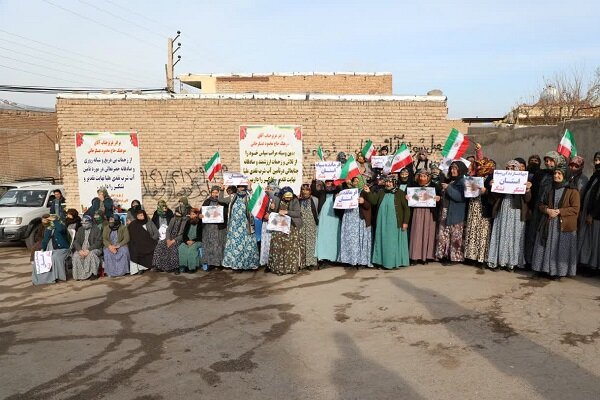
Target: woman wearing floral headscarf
(87,247)
(510,212)
(287,251)
(241,251)
(479,214)
(577,178)
(452,219)
(310,220)
(555,251)
(163,214)
(102,203)
(589,220)
(166,255)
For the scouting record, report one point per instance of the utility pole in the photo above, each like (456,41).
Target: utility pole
(170,66)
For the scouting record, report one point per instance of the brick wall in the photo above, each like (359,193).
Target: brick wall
(178,135)
(318,83)
(27,144)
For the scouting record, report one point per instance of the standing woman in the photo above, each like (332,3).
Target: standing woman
(142,242)
(555,251)
(166,254)
(589,220)
(328,232)
(272,189)
(479,214)
(87,248)
(355,246)
(214,235)
(163,214)
(116,253)
(423,223)
(191,247)
(241,251)
(102,203)
(510,213)
(452,219)
(55,240)
(390,249)
(310,221)
(287,251)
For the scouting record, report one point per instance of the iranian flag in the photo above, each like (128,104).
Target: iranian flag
(213,166)
(349,170)
(320,153)
(401,159)
(369,150)
(258,202)
(567,146)
(456,145)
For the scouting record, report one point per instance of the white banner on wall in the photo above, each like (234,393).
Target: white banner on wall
(110,160)
(272,152)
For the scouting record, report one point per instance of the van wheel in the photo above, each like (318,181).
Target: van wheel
(30,240)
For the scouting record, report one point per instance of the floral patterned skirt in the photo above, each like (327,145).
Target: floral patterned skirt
(450,240)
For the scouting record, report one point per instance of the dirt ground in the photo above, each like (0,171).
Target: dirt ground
(422,332)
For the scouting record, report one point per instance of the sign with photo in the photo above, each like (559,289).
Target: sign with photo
(279,223)
(213,215)
(473,185)
(346,199)
(510,182)
(380,161)
(421,196)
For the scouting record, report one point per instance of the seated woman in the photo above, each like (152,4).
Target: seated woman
(163,214)
(189,257)
(166,254)
(101,203)
(142,242)
(115,238)
(87,247)
(55,240)
(135,206)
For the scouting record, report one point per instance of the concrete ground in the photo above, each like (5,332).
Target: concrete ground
(423,332)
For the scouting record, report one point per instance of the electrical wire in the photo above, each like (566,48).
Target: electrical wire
(100,23)
(169,28)
(53,90)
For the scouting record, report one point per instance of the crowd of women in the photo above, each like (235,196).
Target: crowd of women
(551,228)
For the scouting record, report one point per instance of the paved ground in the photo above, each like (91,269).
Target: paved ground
(425,332)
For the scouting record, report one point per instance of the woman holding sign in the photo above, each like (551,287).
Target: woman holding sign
(424,219)
(355,246)
(286,255)
(241,251)
(555,251)
(214,234)
(390,249)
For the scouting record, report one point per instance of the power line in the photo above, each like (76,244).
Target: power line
(121,79)
(53,89)
(115,65)
(100,23)
(141,15)
(122,18)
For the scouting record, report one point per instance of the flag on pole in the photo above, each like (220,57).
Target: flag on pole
(258,202)
(349,170)
(456,145)
(567,146)
(369,150)
(213,166)
(401,159)
(320,153)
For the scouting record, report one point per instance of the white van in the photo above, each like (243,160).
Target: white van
(21,210)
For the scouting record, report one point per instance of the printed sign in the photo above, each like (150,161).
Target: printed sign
(110,160)
(421,196)
(473,184)
(510,182)
(234,179)
(272,152)
(213,215)
(327,170)
(346,199)
(279,223)
(380,161)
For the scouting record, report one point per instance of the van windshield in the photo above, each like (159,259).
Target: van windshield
(23,198)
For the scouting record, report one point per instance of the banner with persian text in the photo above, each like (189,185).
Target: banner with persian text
(272,152)
(110,160)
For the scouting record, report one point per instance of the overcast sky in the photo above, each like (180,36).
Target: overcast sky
(484,55)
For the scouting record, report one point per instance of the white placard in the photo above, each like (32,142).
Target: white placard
(473,185)
(272,152)
(380,161)
(327,170)
(162,232)
(510,182)
(213,215)
(43,261)
(421,196)
(110,160)
(279,223)
(234,179)
(346,199)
